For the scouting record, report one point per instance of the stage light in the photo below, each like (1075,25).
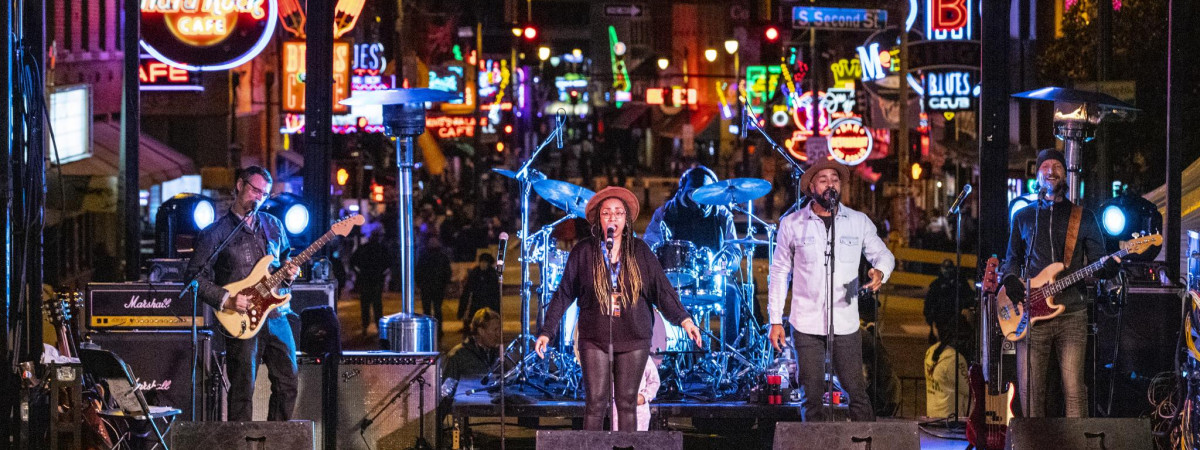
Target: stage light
(290,209)
(1123,216)
(1020,202)
(178,223)
(1113,219)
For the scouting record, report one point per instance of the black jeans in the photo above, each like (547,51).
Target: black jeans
(370,297)
(847,365)
(598,379)
(275,345)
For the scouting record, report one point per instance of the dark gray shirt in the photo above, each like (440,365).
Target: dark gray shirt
(238,258)
(1049,240)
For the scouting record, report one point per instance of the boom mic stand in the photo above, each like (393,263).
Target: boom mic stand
(829,335)
(524,176)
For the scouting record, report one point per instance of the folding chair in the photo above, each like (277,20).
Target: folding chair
(131,403)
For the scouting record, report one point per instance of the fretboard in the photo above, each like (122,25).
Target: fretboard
(1058,285)
(273,281)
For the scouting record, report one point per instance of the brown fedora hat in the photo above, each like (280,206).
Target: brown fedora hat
(630,200)
(842,170)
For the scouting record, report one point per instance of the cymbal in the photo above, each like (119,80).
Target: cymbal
(565,196)
(533,173)
(398,96)
(735,190)
(747,241)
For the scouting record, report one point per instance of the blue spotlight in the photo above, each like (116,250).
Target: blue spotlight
(1113,219)
(204,214)
(296,219)
(1018,203)
(179,221)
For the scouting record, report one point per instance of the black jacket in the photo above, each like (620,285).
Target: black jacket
(633,329)
(239,257)
(1089,246)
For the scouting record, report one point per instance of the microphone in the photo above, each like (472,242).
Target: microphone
(962,196)
(500,253)
(559,122)
(608,241)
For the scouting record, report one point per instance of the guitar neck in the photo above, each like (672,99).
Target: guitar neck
(277,277)
(1079,275)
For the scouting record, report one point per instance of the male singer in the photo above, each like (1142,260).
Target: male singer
(261,235)
(801,258)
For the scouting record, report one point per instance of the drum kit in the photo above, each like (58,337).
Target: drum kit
(708,282)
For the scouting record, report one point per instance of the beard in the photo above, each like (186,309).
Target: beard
(1055,188)
(825,199)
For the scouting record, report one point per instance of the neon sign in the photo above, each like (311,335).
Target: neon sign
(207,34)
(451,127)
(294,75)
(948,90)
(850,143)
(156,75)
(948,19)
(761,84)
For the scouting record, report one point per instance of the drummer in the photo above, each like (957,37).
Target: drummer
(708,226)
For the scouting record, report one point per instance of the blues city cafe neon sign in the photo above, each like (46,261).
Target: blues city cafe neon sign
(207,35)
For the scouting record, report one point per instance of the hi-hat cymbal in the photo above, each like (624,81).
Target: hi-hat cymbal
(534,174)
(736,190)
(398,96)
(566,196)
(747,241)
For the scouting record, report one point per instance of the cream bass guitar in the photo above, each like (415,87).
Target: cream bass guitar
(263,286)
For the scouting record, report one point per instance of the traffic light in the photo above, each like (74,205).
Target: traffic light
(342,176)
(771,33)
(771,51)
(376,193)
(529,33)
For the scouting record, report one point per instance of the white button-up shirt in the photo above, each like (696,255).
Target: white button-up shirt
(800,259)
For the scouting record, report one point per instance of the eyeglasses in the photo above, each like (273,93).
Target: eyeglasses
(612,214)
(255,190)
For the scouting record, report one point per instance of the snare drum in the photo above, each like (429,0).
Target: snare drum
(678,260)
(552,269)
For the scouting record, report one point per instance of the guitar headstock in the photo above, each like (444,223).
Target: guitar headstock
(1139,244)
(344,226)
(990,281)
(59,309)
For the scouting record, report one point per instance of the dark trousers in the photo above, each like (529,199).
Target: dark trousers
(847,365)
(277,349)
(431,299)
(598,382)
(1064,336)
(371,300)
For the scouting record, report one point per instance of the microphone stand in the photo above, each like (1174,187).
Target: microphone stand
(194,286)
(612,290)
(523,175)
(829,335)
(797,169)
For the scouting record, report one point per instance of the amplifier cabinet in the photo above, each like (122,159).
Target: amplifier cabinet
(161,361)
(376,389)
(142,305)
(305,295)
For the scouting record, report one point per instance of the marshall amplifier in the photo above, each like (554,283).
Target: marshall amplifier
(142,305)
(162,363)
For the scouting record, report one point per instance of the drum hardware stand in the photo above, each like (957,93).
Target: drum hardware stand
(523,175)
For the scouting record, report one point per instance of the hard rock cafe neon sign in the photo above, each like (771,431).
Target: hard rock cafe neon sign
(207,34)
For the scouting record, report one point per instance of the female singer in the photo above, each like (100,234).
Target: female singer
(616,279)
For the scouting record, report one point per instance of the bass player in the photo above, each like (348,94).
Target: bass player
(1040,236)
(261,235)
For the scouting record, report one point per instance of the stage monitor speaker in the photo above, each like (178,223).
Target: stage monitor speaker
(379,387)
(162,362)
(1061,433)
(847,435)
(320,331)
(608,440)
(292,435)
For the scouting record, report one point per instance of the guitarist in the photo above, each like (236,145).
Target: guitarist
(1037,238)
(261,235)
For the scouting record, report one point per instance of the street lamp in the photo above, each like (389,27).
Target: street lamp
(710,55)
(543,53)
(663,63)
(731,46)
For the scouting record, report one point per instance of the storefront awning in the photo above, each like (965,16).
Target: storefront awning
(629,115)
(672,126)
(157,162)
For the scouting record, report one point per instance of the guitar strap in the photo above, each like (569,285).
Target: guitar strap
(1072,235)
